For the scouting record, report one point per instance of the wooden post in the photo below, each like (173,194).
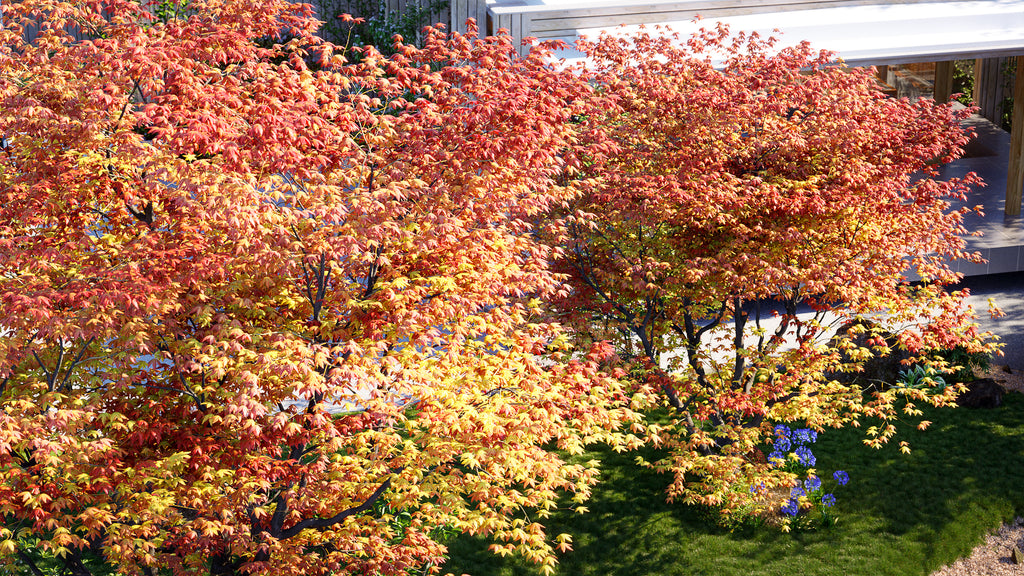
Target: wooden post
(943,81)
(1015,177)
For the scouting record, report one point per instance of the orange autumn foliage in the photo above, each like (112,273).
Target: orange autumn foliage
(268,311)
(741,202)
(261,316)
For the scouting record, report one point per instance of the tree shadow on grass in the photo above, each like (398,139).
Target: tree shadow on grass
(630,529)
(963,477)
(900,514)
(625,530)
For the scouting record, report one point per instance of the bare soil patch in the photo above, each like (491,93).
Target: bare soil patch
(1012,379)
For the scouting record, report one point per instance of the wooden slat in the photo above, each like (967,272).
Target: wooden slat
(594,8)
(31,31)
(526,30)
(459,12)
(514,23)
(517,30)
(502,22)
(988,87)
(605,7)
(454,14)
(1015,176)
(481,16)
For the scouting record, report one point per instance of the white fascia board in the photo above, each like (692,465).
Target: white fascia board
(875,34)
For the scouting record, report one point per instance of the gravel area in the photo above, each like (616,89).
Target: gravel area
(995,556)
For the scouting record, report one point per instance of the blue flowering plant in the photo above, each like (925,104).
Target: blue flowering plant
(791,449)
(810,502)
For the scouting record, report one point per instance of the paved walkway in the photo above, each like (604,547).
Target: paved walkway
(1002,239)
(1008,292)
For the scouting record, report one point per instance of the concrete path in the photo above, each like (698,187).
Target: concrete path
(1008,292)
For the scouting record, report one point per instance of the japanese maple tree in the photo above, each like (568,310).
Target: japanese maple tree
(263,311)
(743,203)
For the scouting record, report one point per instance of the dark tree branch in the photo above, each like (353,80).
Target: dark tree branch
(280,511)
(627,315)
(27,561)
(78,358)
(740,322)
(321,523)
(46,371)
(200,403)
(74,565)
(316,278)
(145,215)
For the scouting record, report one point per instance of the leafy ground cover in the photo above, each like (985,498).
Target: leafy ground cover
(901,514)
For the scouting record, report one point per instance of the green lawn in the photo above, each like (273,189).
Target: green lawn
(900,514)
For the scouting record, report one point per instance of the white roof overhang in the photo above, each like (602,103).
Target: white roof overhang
(877,34)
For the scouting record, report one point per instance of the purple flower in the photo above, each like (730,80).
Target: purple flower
(792,507)
(805,436)
(828,500)
(805,455)
(812,483)
(841,477)
(796,492)
(781,444)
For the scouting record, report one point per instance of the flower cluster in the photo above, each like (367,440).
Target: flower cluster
(793,442)
(812,490)
(792,450)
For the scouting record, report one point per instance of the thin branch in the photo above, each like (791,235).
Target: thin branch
(323,276)
(49,379)
(200,403)
(27,560)
(78,358)
(627,315)
(614,245)
(74,565)
(321,523)
(280,511)
(124,109)
(316,276)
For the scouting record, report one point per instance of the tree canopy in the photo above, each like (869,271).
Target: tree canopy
(263,316)
(268,311)
(745,236)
